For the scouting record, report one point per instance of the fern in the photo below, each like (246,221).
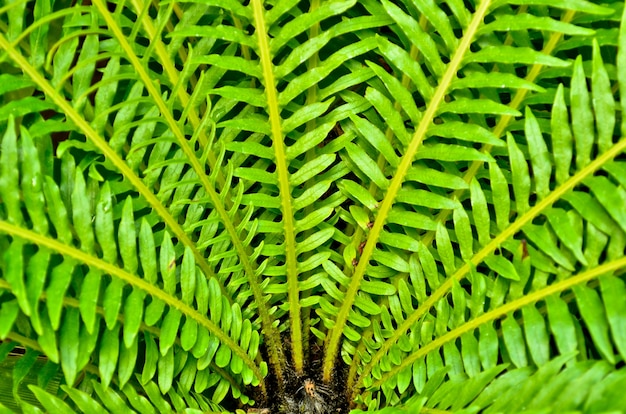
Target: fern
(323,206)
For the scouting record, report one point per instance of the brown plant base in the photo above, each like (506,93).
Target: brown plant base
(305,394)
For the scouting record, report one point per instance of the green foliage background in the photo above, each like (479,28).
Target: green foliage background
(425,200)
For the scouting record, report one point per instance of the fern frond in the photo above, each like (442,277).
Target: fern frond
(25,273)
(443,255)
(546,255)
(282,175)
(400,173)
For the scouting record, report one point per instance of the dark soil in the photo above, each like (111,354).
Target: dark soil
(306,394)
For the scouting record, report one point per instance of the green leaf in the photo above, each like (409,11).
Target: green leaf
(581,112)
(502,267)
(315,240)
(127,361)
(84,402)
(81,210)
(51,403)
(536,335)
(539,157)
(592,312)
(189,334)
(521,176)
(463,232)
(60,279)
(109,353)
(574,5)
(222,357)
(602,100)
(169,330)
(465,132)
(376,138)
(612,289)
(561,325)
(509,54)
(188,276)
(425,198)
(127,238)
(57,211)
(418,37)
(494,80)
(24,106)
(89,293)
(67,343)
(112,302)
(358,193)
(400,93)
(393,120)
(515,345)
(455,153)
(166,370)
(411,219)
(8,312)
(151,356)
(475,106)
(480,213)
(15,274)
(566,232)
(221,391)
(167,263)
(113,402)
(32,184)
(444,249)
(367,165)
(561,137)
(501,197)
(525,21)
(488,345)
(591,209)
(311,169)
(610,198)
(104,224)
(310,78)
(378,288)
(133,316)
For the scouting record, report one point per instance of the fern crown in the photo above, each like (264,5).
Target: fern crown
(312,206)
